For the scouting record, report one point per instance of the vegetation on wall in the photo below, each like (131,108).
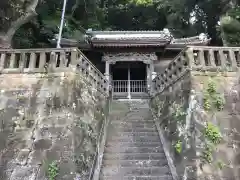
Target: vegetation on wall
(213,102)
(183,123)
(53,170)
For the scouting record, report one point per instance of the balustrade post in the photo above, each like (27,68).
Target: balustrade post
(52,62)
(12,60)
(2,61)
(63,62)
(190,57)
(32,63)
(106,74)
(150,71)
(42,61)
(74,58)
(212,58)
(22,62)
(233,60)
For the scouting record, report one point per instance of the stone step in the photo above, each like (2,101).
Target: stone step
(126,134)
(134,139)
(133,144)
(132,125)
(138,114)
(136,163)
(133,149)
(117,149)
(136,129)
(133,156)
(138,120)
(127,171)
(164,177)
(133,121)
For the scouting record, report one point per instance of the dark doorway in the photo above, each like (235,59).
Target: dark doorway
(119,71)
(137,86)
(138,71)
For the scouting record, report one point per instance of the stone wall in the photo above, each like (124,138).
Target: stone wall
(184,129)
(47,118)
(227,120)
(163,108)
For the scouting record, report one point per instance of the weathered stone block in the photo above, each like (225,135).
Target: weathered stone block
(49,112)
(24,173)
(22,157)
(42,144)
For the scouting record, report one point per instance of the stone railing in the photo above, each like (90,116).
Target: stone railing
(91,73)
(208,58)
(51,60)
(198,58)
(173,72)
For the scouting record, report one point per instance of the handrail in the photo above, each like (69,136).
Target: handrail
(100,137)
(90,63)
(175,70)
(91,73)
(129,80)
(213,47)
(37,50)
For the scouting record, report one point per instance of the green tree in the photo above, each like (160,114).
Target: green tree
(230,27)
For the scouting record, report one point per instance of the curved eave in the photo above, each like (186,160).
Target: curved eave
(179,46)
(130,43)
(71,43)
(122,32)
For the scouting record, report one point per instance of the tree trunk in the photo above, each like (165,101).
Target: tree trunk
(6,37)
(4,43)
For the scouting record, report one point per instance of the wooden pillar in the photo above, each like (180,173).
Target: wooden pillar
(129,81)
(151,70)
(107,74)
(148,76)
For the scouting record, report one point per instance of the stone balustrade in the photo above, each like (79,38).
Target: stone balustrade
(36,60)
(208,58)
(174,71)
(198,58)
(51,60)
(92,74)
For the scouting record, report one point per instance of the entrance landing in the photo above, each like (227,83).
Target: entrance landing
(129,80)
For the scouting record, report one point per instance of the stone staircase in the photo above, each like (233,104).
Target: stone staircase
(133,150)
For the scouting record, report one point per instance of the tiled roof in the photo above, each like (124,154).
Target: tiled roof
(124,32)
(136,39)
(130,35)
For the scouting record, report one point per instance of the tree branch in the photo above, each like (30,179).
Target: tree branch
(75,6)
(30,13)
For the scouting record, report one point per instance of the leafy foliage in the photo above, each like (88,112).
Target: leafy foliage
(178,146)
(212,133)
(183,18)
(230,25)
(212,99)
(53,170)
